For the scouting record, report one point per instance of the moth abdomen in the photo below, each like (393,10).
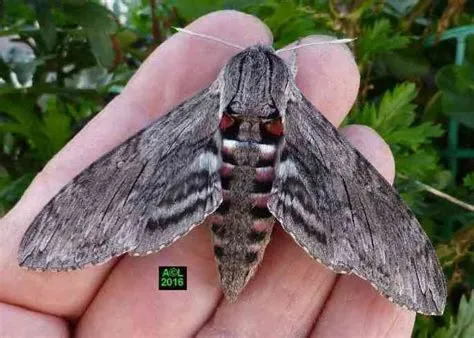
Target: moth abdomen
(242,225)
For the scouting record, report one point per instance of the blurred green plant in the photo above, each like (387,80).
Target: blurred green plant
(463,325)
(62,61)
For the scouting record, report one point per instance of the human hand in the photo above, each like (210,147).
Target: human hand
(290,295)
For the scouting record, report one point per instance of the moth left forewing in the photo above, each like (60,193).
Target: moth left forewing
(346,215)
(141,196)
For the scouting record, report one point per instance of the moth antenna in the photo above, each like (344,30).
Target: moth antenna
(315,43)
(213,38)
(292,61)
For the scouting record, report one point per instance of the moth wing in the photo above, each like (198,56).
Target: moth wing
(337,206)
(141,196)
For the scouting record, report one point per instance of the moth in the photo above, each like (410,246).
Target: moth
(248,152)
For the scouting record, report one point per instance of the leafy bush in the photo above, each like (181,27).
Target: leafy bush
(66,59)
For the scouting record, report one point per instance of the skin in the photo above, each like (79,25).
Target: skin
(291,294)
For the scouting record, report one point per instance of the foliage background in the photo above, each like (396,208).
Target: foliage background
(62,61)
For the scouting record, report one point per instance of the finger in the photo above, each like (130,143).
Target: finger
(357,308)
(19,322)
(179,67)
(290,288)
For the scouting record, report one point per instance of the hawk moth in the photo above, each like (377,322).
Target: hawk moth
(245,153)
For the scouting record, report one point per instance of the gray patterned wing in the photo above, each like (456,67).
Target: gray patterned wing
(140,197)
(337,206)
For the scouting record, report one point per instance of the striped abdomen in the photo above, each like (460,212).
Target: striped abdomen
(242,225)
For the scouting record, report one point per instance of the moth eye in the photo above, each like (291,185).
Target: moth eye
(226,121)
(274,127)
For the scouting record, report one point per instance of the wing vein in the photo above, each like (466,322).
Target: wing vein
(368,224)
(135,182)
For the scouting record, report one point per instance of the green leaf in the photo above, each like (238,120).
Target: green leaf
(399,8)
(463,325)
(45,133)
(393,118)
(378,39)
(98,24)
(460,107)
(56,126)
(12,189)
(92,16)
(191,9)
(15,11)
(456,83)
(19,110)
(420,164)
(288,21)
(456,79)
(404,63)
(395,110)
(468,180)
(8,143)
(103,49)
(414,136)
(46,23)
(126,38)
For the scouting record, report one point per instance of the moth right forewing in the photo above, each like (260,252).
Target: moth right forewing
(345,214)
(103,211)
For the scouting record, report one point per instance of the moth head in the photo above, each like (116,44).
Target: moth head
(255,82)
